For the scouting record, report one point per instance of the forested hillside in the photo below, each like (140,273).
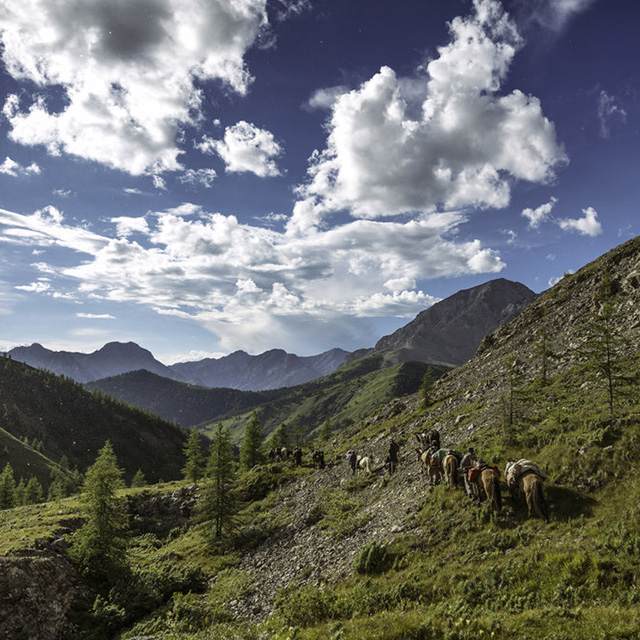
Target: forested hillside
(345,396)
(54,416)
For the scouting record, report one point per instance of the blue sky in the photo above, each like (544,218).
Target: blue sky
(206,176)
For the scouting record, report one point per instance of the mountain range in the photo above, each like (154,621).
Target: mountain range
(239,370)
(448,333)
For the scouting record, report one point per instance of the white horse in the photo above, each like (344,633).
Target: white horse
(363,463)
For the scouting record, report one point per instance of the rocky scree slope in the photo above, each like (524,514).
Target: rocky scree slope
(305,550)
(561,313)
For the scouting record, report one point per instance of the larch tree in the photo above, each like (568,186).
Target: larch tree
(196,461)
(7,488)
(33,493)
(251,449)
(218,504)
(426,388)
(280,437)
(603,341)
(326,430)
(99,546)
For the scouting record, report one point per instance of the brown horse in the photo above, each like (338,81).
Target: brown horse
(450,469)
(525,478)
(432,471)
(488,482)
(531,485)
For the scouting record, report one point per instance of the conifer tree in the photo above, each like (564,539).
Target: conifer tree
(99,545)
(19,494)
(297,433)
(7,488)
(193,450)
(426,389)
(280,437)
(513,378)
(542,347)
(251,449)
(325,431)
(138,479)
(33,493)
(218,504)
(603,339)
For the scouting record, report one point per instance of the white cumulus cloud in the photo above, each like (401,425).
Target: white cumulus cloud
(463,149)
(588,225)
(246,148)
(12,168)
(540,214)
(129,71)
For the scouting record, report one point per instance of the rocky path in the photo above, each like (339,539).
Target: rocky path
(303,553)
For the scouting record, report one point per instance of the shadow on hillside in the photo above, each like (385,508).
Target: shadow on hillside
(564,504)
(567,504)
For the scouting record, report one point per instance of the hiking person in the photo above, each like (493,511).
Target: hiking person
(394,447)
(297,456)
(467,463)
(353,460)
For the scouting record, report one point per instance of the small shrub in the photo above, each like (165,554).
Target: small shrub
(315,515)
(372,558)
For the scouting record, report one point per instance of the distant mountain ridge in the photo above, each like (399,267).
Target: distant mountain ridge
(114,358)
(273,369)
(270,370)
(450,331)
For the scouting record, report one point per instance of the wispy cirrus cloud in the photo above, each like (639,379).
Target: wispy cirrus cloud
(609,113)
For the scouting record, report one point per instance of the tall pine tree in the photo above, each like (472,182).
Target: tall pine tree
(7,488)
(193,450)
(603,341)
(251,449)
(100,544)
(218,504)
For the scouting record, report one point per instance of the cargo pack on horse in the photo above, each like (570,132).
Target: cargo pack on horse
(429,439)
(359,463)
(525,478)
(432,471)
(487,480)
(364,464)
(447,461)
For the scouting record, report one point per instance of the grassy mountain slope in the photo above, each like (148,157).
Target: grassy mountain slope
(346,395)
(69,420)
(387,557)
(25,460)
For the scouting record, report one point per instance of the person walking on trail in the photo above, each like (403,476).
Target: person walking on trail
(297,456)
(353,460)
(394,447)
(467,462)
